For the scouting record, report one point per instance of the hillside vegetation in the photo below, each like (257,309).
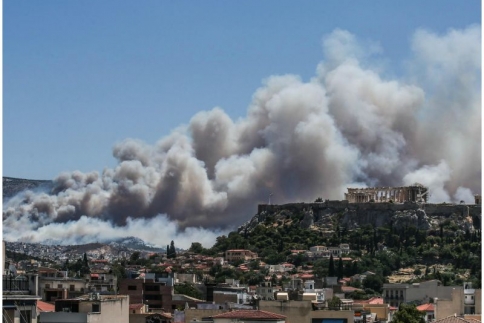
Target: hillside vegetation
(448,252)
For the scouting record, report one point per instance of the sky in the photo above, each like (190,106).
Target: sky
(80,76)
(172,120)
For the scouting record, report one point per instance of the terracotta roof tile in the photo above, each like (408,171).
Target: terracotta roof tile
(45,307)
(426,307)
(250,314)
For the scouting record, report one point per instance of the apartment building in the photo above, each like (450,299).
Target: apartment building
(53,288)
(152,292)
(19,298)
(91,308)
(239,254)
(462,301)
(265,291)
(396,294)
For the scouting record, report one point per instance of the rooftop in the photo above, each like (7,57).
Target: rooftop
(250,314)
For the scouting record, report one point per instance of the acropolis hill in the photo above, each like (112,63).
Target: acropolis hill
(400,206)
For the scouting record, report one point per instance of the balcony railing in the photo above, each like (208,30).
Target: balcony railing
(11,283)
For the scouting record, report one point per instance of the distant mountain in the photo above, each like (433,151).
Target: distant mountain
(134,243)
(13,186)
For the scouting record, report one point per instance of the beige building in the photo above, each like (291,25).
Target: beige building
(53,288)
(396,294)
(462,301)
(239,254)
(303,311)
(92,308)
(265,291)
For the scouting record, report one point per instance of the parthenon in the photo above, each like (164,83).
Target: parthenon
(414,193)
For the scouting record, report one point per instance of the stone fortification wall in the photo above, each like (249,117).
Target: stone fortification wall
(446,209)
(353,215)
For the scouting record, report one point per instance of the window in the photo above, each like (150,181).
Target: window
(59,286)
(131,287)
(153,297)
(47,285)
(72,288)
(152,288)
(96,308)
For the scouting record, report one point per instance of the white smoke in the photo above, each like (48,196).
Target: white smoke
(348,126)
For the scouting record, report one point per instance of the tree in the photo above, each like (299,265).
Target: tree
(334,303)
(171,250)
(188,289)
(331,270)
(85,266)
(196,247)
(408,313)
(374,282)
(340,268)
(134,257)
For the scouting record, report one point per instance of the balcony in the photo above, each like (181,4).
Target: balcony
(19,284)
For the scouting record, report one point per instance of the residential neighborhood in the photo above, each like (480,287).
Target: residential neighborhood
(155,288)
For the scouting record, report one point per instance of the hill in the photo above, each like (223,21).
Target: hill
(13,186)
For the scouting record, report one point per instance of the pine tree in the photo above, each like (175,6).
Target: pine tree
(172,250)
(85,266)
(331,271)
(340,268)
(66,265)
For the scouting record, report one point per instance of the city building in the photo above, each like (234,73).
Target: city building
(429,311)
(150,291)
(265,291)
(418,293)
(53,288)
(305,311)
(239,254)
(101,282)
(89,308)
(19,298)
(462,301)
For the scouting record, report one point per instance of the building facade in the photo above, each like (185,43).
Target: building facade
(396,294)
(92,308)
(19,298)
(239,254)
(462,301)
(155,294)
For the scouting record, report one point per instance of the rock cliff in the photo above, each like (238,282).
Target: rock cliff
(325,216)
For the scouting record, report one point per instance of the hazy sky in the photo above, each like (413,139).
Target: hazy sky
(81,76)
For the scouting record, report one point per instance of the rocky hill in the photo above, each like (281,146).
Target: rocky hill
(12,186)
(325,216)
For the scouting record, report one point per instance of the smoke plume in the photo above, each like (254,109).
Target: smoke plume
(347,126)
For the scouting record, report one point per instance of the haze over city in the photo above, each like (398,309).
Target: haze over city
(208,111)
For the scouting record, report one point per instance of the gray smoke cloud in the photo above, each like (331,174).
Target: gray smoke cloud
(347,126)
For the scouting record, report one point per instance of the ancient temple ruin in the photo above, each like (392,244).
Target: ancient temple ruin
(414,193)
